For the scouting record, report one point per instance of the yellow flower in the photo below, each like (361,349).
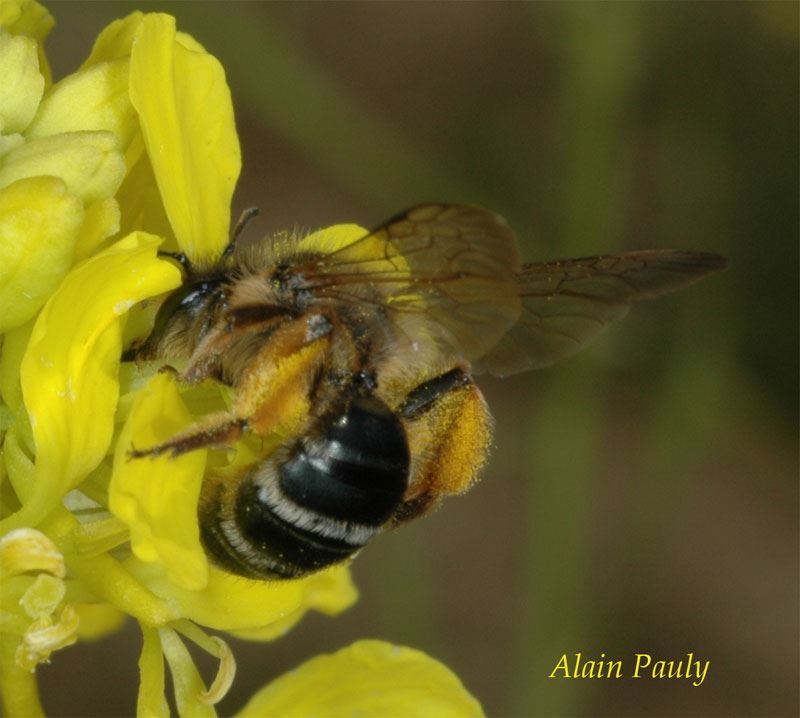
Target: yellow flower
(372,679)
(134,152)
(43,137)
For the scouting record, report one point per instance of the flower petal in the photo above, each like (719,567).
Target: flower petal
(339,236)
(39,223)
(69,371)
(115,40)
(332,238)
(100,221)
(20,469)
(231,602)
(9,142)
(157,497)
(27,17)
(89,163)
(14,344)
(369,678)
(330,592)
(92,99)
(141,206)
(23,84)
(186,116)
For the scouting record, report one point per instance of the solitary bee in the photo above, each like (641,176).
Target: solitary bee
(360,360)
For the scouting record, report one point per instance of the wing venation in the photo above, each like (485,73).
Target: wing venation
(567,303)
(453,265)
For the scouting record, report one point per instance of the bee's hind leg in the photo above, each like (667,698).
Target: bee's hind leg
(449,430)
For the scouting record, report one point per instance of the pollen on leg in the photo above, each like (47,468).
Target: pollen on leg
(464,451)
(450,441)
(464,447)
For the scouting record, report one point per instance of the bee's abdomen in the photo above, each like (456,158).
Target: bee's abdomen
(356,471)
(323,502)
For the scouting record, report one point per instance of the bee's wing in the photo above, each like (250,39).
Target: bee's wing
(447,271)
(565,304)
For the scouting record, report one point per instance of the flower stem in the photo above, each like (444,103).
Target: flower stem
(18,688)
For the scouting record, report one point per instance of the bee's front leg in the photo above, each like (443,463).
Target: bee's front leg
(449,430)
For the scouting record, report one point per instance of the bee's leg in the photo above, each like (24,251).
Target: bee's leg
(219,431)
(449,430)
(272,397)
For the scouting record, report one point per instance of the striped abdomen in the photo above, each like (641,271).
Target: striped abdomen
(320,504)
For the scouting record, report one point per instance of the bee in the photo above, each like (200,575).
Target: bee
(360,360)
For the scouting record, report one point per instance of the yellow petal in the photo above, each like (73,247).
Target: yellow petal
(8,143)
(186,116)
(141,206)
(339,236)
(330,592)
(231,602)
(157,497)
(18,464)
(115,40)
(189,42)
(92,99)
(22,85)
(27,17)
(69,371)
(14,344)
(368,679)
(39,223)
(329,239)
(89,163)
(100,221)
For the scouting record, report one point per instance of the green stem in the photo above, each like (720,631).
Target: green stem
(18,687)
(106,577)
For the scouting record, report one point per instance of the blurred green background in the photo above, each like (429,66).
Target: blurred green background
(642,497)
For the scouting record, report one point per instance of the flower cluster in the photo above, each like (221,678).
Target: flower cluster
(133,153)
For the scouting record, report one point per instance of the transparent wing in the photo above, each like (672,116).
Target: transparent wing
(567,303)
(449,267)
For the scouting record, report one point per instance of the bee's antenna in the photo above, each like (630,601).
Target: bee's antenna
(244,220)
